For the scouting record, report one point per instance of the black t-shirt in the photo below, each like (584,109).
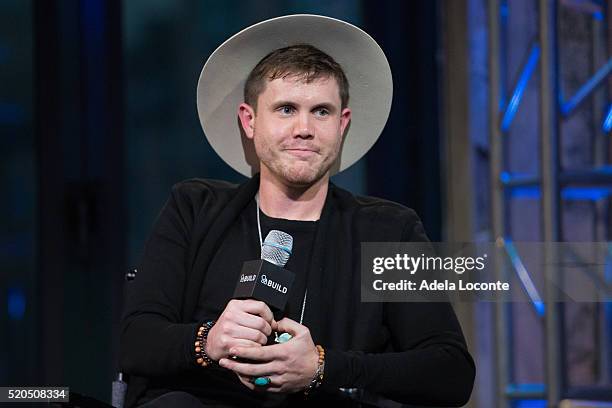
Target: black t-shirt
(241,243)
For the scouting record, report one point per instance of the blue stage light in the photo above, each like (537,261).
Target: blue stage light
(16,303)
(531,403)
(524,277)
(521,85)
(587,88)
(567,193)
(607,124)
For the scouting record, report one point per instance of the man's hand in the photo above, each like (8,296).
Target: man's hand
(290,366)
(244,323)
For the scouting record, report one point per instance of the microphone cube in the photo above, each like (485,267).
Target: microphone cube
(262,280)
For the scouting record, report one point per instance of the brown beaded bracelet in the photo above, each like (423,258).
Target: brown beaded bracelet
(202,359)
(317,379)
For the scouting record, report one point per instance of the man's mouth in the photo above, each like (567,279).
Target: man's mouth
(301,152)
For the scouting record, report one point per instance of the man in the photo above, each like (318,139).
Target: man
(185,342)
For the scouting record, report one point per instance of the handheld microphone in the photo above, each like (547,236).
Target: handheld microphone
(265,279)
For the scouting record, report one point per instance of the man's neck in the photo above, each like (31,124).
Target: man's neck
(278,200)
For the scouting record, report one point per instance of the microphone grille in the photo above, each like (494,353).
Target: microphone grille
(277,247)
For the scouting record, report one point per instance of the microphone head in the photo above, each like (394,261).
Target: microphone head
(277,247)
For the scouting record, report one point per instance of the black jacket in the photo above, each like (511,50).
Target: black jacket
(410,352)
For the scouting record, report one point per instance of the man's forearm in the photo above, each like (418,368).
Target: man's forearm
(440,374)
(152,346)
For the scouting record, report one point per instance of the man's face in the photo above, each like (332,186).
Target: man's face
(297,130)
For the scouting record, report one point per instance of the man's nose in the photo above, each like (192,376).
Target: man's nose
(303,126)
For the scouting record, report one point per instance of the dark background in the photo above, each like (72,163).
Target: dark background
(98,120)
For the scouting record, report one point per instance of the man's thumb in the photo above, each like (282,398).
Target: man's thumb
(288,325)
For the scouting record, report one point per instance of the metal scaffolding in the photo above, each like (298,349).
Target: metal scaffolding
(552,185)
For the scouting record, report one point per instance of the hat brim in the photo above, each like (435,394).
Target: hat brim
(221,84)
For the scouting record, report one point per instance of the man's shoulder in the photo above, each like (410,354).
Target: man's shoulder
(199,191)
(375,207)
(377,219)
(197,185)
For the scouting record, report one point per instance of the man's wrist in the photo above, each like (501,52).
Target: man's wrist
(317,378)
(202,358)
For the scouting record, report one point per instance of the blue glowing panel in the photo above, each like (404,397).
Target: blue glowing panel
(607,124)
(530,403)
(16,303)
(532,192)
(587,88)
(505,177)
(605,169)
(526,388)
(586,193)
(568,193)
(527,178)
(504,10)
(524,277)
(521,85)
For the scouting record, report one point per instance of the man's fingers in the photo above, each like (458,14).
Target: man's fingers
(254,322)
(265,353)
(244,343)
(246,381)
(290,326)
(246,333)
(247,369)
(257,307)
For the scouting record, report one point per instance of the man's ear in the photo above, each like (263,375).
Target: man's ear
(345,119)
(246,113)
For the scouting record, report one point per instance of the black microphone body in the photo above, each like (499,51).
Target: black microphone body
(264,281)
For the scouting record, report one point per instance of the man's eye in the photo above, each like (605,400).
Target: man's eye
(286,109)
(322,112)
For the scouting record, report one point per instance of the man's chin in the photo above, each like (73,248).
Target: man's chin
(297,175)
(303,179)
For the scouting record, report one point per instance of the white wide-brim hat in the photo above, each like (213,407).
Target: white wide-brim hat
(221,85)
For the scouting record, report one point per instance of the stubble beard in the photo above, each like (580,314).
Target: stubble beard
(293,172)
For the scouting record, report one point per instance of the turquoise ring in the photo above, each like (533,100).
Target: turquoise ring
(262,381)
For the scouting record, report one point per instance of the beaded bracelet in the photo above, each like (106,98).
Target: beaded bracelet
(202,358)
(317,379)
